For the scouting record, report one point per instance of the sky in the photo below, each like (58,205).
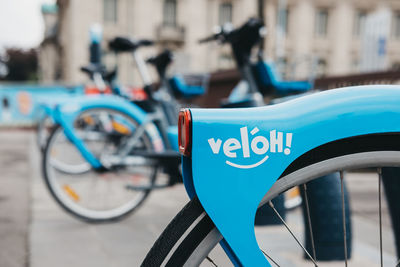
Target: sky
(21,23)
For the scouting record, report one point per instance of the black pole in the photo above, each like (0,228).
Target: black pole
(95,53)
(261,8)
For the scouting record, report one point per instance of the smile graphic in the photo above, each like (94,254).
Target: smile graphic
(247,166)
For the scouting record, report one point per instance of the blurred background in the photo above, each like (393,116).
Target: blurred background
(44,43)
(307,37)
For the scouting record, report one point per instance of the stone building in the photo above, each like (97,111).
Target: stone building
(304,36)
(49,53)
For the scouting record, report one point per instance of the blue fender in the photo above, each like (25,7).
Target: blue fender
(238,154)
(65,114)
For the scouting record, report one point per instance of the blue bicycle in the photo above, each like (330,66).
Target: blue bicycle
(116,146)
(121,146)
(234,161)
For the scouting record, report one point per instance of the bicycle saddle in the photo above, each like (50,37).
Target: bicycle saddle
(122,44)
(269,80)
(93,68)
(110,75)
(182,89)
(161,61)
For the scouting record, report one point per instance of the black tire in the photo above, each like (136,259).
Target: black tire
(82,216)
(177,228)
(41,137)
(179,243)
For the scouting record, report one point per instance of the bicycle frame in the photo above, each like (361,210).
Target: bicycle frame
(237,155)
(66,114)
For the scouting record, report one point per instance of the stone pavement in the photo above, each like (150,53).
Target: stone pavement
(35,232)
(57,239)
(15,198)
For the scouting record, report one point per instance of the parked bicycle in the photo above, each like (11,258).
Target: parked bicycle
(234,161)
(119,146)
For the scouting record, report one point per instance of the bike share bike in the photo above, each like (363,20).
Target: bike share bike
(120,145)
(228,177)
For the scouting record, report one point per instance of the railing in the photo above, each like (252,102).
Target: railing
(383,77)
(222,82)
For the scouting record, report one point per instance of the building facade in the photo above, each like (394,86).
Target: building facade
(323,37)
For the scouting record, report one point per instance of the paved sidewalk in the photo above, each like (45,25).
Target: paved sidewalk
(57,239)
(35,232)
(14,198)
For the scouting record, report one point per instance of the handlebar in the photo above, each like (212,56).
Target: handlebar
(209,39)
(145,42)
(226,33)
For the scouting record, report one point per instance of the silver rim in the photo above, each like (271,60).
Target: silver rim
(353,161)
(85,212)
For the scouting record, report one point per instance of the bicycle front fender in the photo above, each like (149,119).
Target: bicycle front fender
(65,115)
(238,154)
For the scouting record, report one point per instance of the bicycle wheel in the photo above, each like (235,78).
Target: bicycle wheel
(98,196)
(191,237)
(43,131)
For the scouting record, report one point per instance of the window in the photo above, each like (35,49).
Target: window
(225,13)
(396,66)
(110,10)
(396,25)
(359,22)
(321,23)
(283,20)
(321,67)
(169,16)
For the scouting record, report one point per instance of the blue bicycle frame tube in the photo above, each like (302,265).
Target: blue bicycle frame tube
(65,115)
(238,154)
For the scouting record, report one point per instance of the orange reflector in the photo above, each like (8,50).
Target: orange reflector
(71,193)
(294,192)
(120,128)
(88,119)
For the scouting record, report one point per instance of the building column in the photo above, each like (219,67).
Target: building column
(341,31)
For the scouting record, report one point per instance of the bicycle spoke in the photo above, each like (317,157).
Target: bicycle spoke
(212,262)
(271,259)
(290,231)
(380,212)
(343,218)
(309,221)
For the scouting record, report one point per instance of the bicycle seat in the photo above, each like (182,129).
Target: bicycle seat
(269,79)
(110,75)
(93,68)
(122,44)
(180,88)
(161,61)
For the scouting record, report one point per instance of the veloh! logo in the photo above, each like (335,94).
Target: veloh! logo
(252,144)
